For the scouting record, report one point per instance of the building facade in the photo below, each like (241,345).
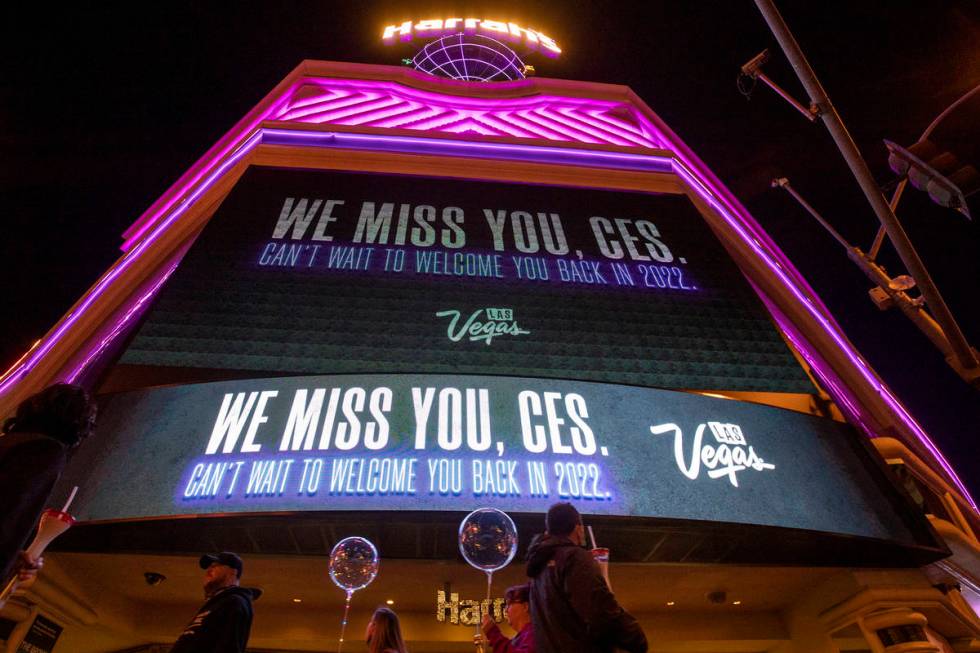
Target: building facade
(385,299)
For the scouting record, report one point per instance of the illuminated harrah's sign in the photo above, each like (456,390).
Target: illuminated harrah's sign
(530,38)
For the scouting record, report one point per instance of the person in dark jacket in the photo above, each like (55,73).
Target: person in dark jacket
(34,448)
(518,614)
(572,608)
(223,623)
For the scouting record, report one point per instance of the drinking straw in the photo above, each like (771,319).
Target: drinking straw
(71,498)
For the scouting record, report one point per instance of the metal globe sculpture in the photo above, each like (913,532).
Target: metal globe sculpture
(470,57)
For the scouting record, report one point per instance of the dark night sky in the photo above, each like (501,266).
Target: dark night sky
(104,106)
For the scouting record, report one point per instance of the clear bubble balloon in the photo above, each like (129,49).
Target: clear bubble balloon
(488,539)
(353,564)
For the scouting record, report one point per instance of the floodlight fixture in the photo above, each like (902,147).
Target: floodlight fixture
(753,70)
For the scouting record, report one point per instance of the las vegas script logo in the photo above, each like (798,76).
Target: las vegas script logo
(730,456)
(498,322)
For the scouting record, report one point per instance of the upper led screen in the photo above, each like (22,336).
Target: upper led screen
(326,272)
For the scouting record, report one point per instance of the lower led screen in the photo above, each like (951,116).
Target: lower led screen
(455,443)
(313,272)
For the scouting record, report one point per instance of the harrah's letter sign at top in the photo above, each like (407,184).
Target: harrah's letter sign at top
(533,39)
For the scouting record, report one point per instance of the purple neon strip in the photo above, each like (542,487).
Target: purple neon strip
(133,310)
(822,319)
(820,368)
(126,261)
(422,145)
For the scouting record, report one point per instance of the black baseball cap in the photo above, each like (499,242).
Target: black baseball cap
(226,558)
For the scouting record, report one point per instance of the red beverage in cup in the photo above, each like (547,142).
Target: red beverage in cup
(601,556)
(53,523)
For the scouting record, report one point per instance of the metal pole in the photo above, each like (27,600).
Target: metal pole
(893,205)
(832,121)
(783,182)
(877,275)
(809,115)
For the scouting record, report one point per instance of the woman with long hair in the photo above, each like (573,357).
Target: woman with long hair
(35,446)
(384,634)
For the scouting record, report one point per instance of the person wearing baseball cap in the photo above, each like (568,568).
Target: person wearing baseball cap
(223,623)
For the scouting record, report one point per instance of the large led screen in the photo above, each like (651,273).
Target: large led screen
(457,442)
(313,272)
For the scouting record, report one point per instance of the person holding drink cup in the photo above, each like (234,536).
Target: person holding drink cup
(572,605)
(36,444)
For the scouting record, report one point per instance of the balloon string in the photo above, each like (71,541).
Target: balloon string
(479,647)
(343,624)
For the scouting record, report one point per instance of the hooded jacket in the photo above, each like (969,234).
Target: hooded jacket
(221,625)
(572,608)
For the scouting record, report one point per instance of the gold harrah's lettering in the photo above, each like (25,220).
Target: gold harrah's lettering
(529,38)
(466,612)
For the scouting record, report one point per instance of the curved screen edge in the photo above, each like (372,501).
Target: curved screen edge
(453,443)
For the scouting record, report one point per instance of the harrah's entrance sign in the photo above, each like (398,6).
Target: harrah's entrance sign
(532,39)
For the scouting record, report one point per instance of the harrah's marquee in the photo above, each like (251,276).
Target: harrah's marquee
(532,39)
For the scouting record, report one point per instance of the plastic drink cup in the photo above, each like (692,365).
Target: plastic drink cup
(601,556)
(53,523)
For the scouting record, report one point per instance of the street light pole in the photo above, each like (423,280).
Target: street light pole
(963,358)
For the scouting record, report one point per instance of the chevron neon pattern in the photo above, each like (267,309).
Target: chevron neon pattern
(391,106)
